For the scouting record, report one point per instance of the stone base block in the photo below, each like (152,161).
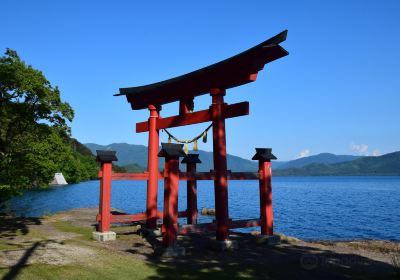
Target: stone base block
(104,236)
(226,245)
(170,252)
(151,232)
(268,239)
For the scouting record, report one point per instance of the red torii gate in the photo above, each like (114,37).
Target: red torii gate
(214,79)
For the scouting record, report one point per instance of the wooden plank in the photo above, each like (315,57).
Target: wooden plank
(184,176)
(245,223)
(236,110)
(133,176)
(230,111)
(182,214)
(197,228)
(180,120)
(130,176)
(204,227)
(243,176)
(127,218)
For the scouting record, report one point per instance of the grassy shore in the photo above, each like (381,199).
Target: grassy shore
(60,247)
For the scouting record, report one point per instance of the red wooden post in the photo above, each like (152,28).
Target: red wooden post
(191,199)
(105,197)
(171,152)
(170,218)
(267,218)
(106,158)
(264,157)
(191,188)
(183,107)
(152,183)
(220,164)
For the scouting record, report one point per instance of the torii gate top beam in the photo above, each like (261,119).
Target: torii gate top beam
(234,71)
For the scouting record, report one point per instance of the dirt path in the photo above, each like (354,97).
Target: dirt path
(44,244)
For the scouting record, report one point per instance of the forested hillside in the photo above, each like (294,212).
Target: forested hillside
(35,138)
(385,165)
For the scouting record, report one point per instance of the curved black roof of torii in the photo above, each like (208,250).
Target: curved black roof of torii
(234,71)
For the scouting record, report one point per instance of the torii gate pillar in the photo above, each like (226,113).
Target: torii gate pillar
(264,157)
(152,183)
(220,164)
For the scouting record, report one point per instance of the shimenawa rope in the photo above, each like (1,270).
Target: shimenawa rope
(186,142)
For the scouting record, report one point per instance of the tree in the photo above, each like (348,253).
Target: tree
(27,98)
(34,133)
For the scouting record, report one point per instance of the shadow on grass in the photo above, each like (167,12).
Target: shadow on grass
(10,227)
(16,269)
(258,261)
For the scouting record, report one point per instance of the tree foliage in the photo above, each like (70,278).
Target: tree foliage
(34,133)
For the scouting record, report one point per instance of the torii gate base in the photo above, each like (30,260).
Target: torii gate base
(225,245)
(170,228)
(104,234)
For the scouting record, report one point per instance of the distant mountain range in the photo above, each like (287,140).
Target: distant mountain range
(324,158)
(134,159)
(385,165)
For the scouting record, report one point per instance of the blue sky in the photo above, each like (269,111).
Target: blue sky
(338,90)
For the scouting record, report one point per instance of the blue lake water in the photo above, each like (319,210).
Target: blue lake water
(305,207)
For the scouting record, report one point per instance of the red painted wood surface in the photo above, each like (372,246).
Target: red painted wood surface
(183,108)
(130,176)
(211,175)
(182,214)
(206,227)
(220,164)
(170,217)
(243,176)
(152,183)
(105,197)
(234,71)
(184,176)
(191,195)
(266,213)
(135,176)
(231,111)
(129,218)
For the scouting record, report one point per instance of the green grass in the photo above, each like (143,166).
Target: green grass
(109,264)
(64,226)
(9,240)
(5,245)
(105,266)
(125,232)
(396,265)
(121,267)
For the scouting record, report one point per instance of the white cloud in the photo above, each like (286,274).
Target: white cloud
(376,153)
(361,149)
(304,153)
